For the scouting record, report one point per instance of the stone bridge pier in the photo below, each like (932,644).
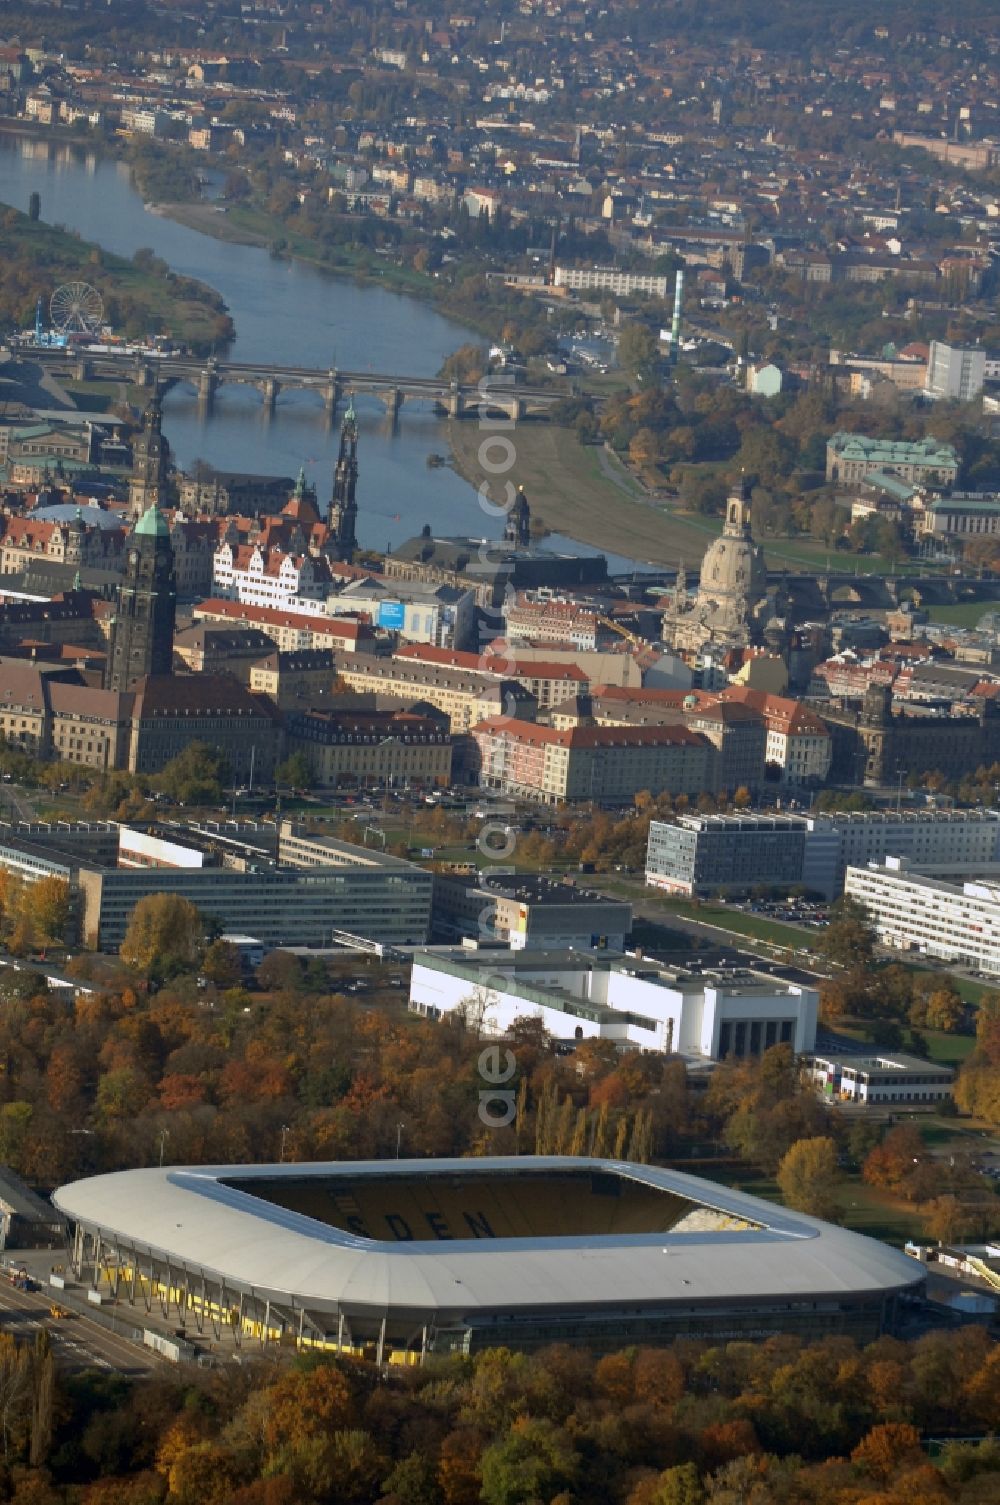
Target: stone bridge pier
(458,403)
(331,393)
(270,389)
(208,382)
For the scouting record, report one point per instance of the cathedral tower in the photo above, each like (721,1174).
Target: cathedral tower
(142,634)
(342,517)
(147,485)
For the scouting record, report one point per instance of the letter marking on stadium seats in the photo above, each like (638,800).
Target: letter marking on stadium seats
(478,1225)
(398,1226)
(437,1225)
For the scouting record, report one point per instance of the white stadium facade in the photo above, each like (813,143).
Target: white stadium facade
(397,1259)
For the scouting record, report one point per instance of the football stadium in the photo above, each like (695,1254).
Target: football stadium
(393,1260)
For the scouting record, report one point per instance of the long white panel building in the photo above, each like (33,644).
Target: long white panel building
(922,912)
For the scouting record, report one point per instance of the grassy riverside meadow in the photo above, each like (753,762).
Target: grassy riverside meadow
(141,296)
(585,492)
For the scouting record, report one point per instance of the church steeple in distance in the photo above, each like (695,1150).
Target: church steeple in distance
(517,529)
(147,485)
(142,635)
(342,517)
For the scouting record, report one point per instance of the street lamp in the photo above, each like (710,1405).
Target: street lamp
(285,1131)
(399,1135)
(163,1136)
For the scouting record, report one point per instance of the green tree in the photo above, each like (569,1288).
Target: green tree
(15,1123)
(222,964)
(196,776)
(122,1093)
(466,364)
(675,1486)
(535,1461)
(46,904)
(848,940)
(413,1481)
(945,1009)
(296,771)
(638,353)
(165,935)
(809,1177)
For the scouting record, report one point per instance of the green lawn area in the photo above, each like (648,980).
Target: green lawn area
(959,1134)
(737,921)
(775,932)
(948,1050)
(971,990)
(866,1209)
(962,613)
(92,396)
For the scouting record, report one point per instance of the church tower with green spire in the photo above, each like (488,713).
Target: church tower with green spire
(142,634)
(342,517)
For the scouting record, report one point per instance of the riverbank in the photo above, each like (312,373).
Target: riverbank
(243,225)
(584,492)
(138,298)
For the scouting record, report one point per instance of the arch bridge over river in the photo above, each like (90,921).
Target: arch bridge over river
(498,394)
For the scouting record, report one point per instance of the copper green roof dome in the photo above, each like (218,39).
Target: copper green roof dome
(152,524)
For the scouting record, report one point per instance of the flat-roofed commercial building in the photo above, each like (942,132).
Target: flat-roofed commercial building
(528,911)
(610,280)
(298,895)
(638,1003)
(929,838)
(705,854)
(702,854)
(890,1077)
(956,922)
(956,372)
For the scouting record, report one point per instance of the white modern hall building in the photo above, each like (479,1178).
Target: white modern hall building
(636,1002)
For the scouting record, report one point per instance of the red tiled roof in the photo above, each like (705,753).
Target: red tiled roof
(198,694)
(589,736)
(237,611)
(781,712)
(448,658)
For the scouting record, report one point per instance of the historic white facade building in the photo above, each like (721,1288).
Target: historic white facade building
(268,577)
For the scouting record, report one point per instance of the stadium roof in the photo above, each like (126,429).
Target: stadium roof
(206,1218)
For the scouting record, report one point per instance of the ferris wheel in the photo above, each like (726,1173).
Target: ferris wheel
(76,308)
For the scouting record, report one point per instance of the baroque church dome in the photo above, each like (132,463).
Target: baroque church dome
(733,569)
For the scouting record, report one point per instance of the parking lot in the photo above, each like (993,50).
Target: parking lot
(79,1341)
